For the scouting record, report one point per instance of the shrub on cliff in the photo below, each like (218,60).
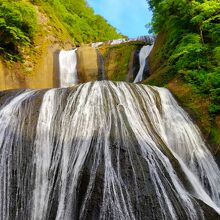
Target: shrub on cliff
(192,29)
(18,24)
(80,20)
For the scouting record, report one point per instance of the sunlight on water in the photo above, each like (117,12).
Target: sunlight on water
(103,150)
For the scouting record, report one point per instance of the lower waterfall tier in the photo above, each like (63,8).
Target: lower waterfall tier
(103,150)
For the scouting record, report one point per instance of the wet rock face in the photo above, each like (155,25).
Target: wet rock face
(101,66)
(102,150)
(146,72)
(134,65)
(87,66)
(44,71)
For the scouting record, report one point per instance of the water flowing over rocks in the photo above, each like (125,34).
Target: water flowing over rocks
(147,39)
(103,150)
(143,55)
(68,68)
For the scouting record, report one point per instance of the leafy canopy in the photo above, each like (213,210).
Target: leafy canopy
(18,24)
(79,19)
(192,46)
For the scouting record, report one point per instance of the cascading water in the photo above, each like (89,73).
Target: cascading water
(68,70)
(103,150)
(117,41)
(97,44)
(147,39)
(144,53)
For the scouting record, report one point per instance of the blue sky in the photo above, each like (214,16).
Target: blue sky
(128,16)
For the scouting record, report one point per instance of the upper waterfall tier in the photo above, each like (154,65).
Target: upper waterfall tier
(147,39)
(124,62)
(144,53)
(80,65)
(103,150)
(68,70)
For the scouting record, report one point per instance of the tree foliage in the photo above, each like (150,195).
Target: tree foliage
(18,24)
(80,20)
(193,42)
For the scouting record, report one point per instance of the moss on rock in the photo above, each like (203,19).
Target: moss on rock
(117,58)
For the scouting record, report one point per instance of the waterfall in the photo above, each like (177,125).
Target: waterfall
(103,150)
(68,70)
(147,39)
(144,53)
(117,41)
(96,44)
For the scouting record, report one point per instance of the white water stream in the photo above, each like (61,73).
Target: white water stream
(103,150)
(144,53)
(68,68)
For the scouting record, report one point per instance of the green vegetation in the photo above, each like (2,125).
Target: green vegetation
(79,19)
(117,58)
(189,49)
(19,23)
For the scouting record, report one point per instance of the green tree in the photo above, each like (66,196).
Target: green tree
(192,47)
(17,27)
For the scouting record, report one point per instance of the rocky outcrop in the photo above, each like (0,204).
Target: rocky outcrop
(101,66)
(121,61)
(134,65)
(87,65)
(42,73)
